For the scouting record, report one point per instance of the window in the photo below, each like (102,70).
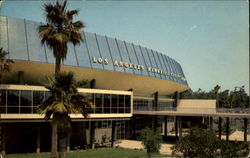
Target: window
(106,103)
(98,103)
(26,101)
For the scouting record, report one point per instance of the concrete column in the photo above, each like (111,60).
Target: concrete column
(93,83)
(20,77)
(3,139)
(219,127)
(38,139)
(245,129)
(156,96)
(176,97)
(180,127)
(84,133)
(211,123)
(113,134)
(227,128)
(165,125)
(68,143)
(155,120)
(176,126)
(0,136)
(92,134)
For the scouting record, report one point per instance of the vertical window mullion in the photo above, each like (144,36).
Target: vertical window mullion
(6,103)
(103,103)
(94,103)
(19,100)
(124,106)
(110,103)
(117,104)
(32,106)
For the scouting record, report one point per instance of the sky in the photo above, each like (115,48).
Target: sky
(210,39)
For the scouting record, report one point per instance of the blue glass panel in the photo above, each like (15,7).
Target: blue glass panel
(168,68)
(71,56)
(105,53)
(124,56)
(133,57)
(158,63)
(181,73)
(171,67)
(17,39)
(49,55)
(147,61)
(161,60)
(36,50)
(178,72)
(141,60)
(93,50)
(115,53)
(83,55)
(3,33)
(174,69)
(153,62)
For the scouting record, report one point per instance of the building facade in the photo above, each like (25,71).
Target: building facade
(132,87)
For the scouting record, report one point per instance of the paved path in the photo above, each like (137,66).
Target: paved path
(236,135)
(132,144)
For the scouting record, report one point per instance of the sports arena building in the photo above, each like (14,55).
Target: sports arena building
(131,86)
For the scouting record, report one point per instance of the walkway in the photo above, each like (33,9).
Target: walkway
(132,144)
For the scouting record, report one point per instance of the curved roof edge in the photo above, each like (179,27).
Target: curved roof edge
(19,37)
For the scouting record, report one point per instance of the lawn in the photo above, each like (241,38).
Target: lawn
(96,153)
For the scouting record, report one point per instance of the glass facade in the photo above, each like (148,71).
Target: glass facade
(26,102)
(147,105)
(21,41)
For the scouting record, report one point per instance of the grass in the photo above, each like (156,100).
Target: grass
(96,153)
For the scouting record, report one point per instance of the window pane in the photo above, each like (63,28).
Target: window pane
(133,57)
(13,98)
(2,97)
(124,55)
(71,56)
(3,33)
(26,98)
(93,49)
(115,53)
(121,104)
(105,53)
(147,61)
(13,110)
(36,50)
(17,39)
(2,109)
(141,59)
(127,104)
(158,63)
(98,103)
(153,62)
(114,103)
(47,95)
(106,103)
(26,110)
(38,97)
(82,55)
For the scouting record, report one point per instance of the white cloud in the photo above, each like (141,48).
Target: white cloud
(193,27)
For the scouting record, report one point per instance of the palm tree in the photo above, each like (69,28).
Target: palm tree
(216,92)
(64,100)
(60,30)
(5,64)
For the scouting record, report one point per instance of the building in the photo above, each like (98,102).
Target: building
(132,87)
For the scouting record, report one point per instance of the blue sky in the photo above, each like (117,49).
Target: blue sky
(210,39)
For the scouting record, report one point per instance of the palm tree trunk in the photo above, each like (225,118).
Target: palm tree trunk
(54,140)
(62,153)
(148,154)
(58,65)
